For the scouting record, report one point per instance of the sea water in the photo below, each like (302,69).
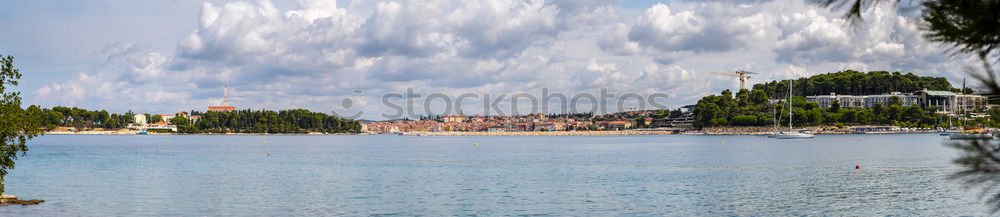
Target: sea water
(313,175)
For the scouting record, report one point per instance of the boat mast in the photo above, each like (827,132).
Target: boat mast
(961,108)
(790,81)
(774,117)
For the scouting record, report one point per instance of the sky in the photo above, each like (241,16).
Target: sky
(344,56)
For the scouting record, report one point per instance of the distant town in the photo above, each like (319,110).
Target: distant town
(746,111)
(678,120)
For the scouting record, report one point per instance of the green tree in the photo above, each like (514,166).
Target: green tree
(17,125)
(155,118)
(744,120)
(895,100)
(970,27)
(758,97)
(179,120)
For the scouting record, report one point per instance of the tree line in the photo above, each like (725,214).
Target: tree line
(241,121)
(264,121)
(61,116)
(850,82)
(754,107)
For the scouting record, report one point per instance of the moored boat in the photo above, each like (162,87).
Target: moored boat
(963,136)
(794,135)
(972,133)
(802,134)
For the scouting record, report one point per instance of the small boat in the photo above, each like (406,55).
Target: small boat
(802,134)
(794,135)
(947,132)
(142,133)
(969,136)
(772,135)
(972,133)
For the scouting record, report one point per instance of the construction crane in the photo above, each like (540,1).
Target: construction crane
(743,75)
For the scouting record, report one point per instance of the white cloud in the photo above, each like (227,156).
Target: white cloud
(707,27)
(315,54)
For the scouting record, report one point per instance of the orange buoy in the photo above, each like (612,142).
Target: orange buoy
(268,154)
(857,166)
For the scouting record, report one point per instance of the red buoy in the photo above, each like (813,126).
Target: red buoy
(857,166)
(268,154)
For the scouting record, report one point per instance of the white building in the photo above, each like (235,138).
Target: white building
(166,118)
(944,101)
(139,120)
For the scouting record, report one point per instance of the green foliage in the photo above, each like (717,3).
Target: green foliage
(60,116)
(244,121)
(284,121)
(752,108)
(155,119)
(980,161)
(17,125)
(675,113)
(969,26)
(895,100)
(745,120)
(179,120)
(855,83)
(718,122)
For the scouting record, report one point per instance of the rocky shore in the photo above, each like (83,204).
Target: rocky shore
(12,200)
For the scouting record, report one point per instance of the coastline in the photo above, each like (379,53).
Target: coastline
(548,133)
(121,132)
(750,131)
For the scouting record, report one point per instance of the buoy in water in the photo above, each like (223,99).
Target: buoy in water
(268,154)
(475,144)
(857,166)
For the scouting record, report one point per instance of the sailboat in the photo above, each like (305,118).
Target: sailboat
(969,132)
(791,134)
(774,127)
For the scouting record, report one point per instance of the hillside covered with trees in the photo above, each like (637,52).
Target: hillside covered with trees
(242,121)
(850,82)
(753,107)
(263,121)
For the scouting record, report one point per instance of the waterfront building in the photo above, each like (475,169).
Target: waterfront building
(139,120)
(684,121)
(944,101)
(865,101)
(166,118)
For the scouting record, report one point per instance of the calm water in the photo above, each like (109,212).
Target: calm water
(440,176)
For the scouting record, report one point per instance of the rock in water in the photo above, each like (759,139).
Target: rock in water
(11,199)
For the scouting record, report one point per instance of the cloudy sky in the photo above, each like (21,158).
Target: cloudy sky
(169,56)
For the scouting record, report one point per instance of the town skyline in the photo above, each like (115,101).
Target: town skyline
(182,56)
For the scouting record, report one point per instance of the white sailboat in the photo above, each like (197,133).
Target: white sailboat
(976,133)
(791,134)
(774,127)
